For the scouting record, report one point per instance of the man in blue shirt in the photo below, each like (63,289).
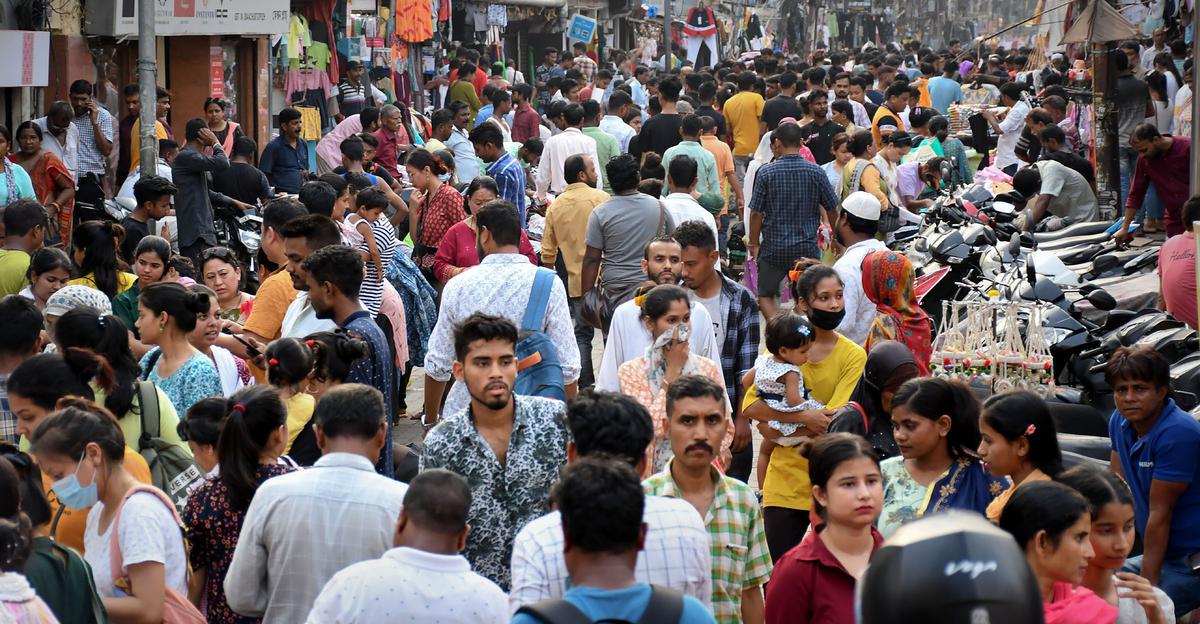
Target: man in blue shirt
(1155,449)
(334,277)
(508,173)
(601,503)
(285,158)
(944,90)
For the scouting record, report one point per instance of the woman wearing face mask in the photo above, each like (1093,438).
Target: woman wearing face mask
(835,364)
(869,412)
(151,257)
(167,314)
(81,447)
(49,271)
(232,370)
(458,251)
(1112,536)
(666,313)
(887,279)
(35,387)
(252,438)
(936,426)
(1017,440)
(1051,522)
(815,581)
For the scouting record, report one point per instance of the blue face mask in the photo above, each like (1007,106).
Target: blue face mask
(444,177)
(74,495)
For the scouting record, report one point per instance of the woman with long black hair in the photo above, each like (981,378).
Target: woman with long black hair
(95,247)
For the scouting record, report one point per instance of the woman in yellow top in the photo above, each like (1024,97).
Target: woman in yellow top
(289,361)
(835,364)
(34,390)
(94,248)
(1018,441)
(862,151)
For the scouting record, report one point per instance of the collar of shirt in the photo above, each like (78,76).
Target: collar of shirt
(815,550)
(571,129)
(682,197)
(866,242)
(575,186)
(504,258)
(345,460)
(670,489)
(464,423)
(353,316)
(506,160)
(1131,433)
(414,558)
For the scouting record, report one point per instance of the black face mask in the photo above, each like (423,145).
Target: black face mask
(824,319)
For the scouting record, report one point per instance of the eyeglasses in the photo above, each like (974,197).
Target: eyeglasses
(224,254)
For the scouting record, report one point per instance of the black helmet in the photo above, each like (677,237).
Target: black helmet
(950,568)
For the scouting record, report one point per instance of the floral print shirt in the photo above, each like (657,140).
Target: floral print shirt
(194,380)
(213,526)
(506,495)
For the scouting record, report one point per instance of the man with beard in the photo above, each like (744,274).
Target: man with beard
(508,447)
(501,286)
(841,91)
(855,229)
(628,336)
(301,237)
(334,276)
(735,327)
(696,425)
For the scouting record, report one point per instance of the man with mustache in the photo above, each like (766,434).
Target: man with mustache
(627,335)
(508,447)
(696,424)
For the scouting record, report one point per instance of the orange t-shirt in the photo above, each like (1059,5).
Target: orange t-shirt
(270,305)
(73,522)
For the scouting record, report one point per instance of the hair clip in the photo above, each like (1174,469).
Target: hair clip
(238,407)
(1030,430)
(273,361)
(794,275)
(803,329)
(639,300)
(100,321)
(312,344)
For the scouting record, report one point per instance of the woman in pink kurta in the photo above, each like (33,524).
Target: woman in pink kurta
(457,251)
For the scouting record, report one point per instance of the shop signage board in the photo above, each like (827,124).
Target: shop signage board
(581,28)
(190,17)
(29,58)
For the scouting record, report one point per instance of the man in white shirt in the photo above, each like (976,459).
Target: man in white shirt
(1160,46)
(559,147)
(60,135)
(302,236)
(304,527)
(424,579)
(681,179)
(628,336)
(613,122)
(1012,96)
(167,151)
(855,230)
(676,552)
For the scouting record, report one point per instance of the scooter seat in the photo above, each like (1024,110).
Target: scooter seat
(1078,229)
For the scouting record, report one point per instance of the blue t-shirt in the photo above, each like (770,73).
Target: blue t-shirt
(943,92)
(485,111)
(1168,452)
(622,604)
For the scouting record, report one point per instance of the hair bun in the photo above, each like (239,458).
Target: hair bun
(351,349)
(197,302)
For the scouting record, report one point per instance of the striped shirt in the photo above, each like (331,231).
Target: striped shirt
(352,98)
(510,179)
(371,293)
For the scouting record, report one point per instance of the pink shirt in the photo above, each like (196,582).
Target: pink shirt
(458,250)
(1177,273)
(329,148)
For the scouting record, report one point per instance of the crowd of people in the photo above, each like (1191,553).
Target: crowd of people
(748,440)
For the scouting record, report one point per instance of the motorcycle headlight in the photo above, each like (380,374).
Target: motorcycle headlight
(249,240)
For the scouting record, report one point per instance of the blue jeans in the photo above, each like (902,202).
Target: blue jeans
(1152,207)
(1127,159)
(1176,579)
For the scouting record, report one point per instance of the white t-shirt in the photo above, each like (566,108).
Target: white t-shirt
(148,532)
(712,305)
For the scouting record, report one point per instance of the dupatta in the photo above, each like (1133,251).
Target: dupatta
(966,485)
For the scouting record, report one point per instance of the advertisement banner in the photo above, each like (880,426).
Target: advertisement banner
(190,17)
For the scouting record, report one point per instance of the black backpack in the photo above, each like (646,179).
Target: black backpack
(665,607)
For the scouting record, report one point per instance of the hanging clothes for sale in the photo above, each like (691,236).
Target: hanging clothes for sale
(414,21)
(701,28)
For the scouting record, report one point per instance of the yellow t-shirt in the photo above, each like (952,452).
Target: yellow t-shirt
(135,142)
(299,412)
(831,381)
(14,264)
(270,305)
(124,281)
(744,112)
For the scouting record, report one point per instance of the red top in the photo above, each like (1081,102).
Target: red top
(458,250)
(1177,273)
(436,215)
(809,584)
(1170,175)
(389,147)
(525,124)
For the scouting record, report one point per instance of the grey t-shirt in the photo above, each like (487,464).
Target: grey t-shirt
(1073,197)
(621,227)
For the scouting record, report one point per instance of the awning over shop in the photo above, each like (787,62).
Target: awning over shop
(118,18)
(1100,22)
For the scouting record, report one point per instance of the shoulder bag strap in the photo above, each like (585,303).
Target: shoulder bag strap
(555,611)
(856,178)
(118,562)
(147,405)
(666,605)
(863,413)
(539,300)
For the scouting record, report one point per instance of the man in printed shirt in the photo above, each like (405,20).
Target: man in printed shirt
(697,417)
(509,447)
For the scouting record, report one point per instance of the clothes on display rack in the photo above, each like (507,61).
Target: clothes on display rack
(701,28)
(414,21)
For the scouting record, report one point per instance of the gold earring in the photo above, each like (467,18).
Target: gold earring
(162,326)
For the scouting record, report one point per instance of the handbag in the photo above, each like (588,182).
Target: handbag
(599,303)
(176,607)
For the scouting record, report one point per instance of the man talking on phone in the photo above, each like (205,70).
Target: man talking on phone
(95,143)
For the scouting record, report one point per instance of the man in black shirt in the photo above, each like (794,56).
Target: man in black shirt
(818,134)
(661,132)
(782,105)
(241,180)
(707,93)
(153,195)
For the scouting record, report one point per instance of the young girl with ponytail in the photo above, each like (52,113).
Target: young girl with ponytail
(252,438)
(289,362)
(167,313)
(333,354)
(95,245)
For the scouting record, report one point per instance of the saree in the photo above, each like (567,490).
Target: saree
(43,173)
(964,485)
(887,279)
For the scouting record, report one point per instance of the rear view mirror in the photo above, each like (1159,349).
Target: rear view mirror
(1030,271)
(1101,300)
(947,170)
